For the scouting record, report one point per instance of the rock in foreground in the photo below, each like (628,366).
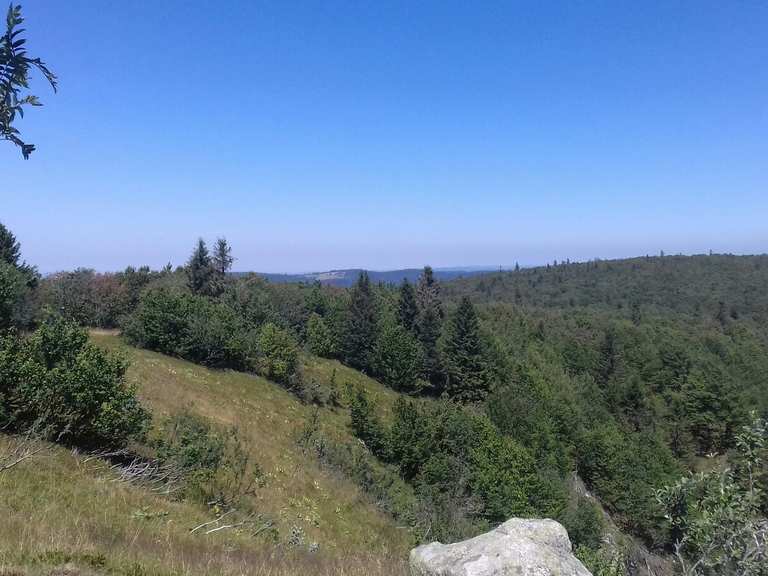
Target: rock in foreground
(519,547)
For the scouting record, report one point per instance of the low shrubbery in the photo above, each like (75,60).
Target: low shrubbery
(193,327)
(213,463)
(77,391)
(210,332)
(278,354)
(718,518)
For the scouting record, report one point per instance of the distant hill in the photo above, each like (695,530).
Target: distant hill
(728,285)
(344,278)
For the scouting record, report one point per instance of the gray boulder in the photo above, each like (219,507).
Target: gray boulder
(519,547)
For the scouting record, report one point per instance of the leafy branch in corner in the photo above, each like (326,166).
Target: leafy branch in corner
(15,67)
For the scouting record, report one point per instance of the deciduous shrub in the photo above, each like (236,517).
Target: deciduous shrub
(718,517)
(366,424)
(278,357)
(213,463)
(320,338)
(55,375)
(626,470)
(191,327)
(584,523)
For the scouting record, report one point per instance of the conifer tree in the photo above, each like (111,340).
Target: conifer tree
(317,300)
(428,291)
(467,372)
(365,423)
(10,249)
(17,279)
(429,323)
(407,309)
(222,257)
(399,358)
(361,325)
(200,270)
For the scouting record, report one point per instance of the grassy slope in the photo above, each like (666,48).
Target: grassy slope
(59,506)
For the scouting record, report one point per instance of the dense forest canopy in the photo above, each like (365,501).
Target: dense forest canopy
(723,286)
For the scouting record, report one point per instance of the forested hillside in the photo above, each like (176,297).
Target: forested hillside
(346,278)
(494,391)
(720,286)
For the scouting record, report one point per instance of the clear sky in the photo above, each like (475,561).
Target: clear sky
(318,135)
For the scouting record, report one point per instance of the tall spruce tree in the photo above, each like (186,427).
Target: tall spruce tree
(17,280)
(200,271)
(429,324)
(407,308)
(317,300)
(399,358)
(222,257)
(428,290)
(467,372)
(359,339)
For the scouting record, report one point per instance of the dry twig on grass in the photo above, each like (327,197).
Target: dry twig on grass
(24,446)
(251,520)
(23,449)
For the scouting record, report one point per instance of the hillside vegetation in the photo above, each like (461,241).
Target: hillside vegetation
(59,507)
(332,421)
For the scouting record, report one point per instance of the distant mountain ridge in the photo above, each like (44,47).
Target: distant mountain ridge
(347,277)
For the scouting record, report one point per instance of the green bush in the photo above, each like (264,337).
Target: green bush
(603,561)
(191,327)
(503,475)
(211,333)
(278,354)
(213,463)
(320,338)
(718,517)
(78,391)
(584,523)
(365,423)
(161,321)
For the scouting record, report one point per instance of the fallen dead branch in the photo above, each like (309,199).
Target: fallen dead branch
(252,520)
(23,449)
(157,476)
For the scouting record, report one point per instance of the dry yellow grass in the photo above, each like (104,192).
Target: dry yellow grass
(60,512)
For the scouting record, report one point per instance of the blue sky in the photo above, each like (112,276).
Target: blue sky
(318,135)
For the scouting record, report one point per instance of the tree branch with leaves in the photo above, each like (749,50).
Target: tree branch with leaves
(717,517)
(15,67)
